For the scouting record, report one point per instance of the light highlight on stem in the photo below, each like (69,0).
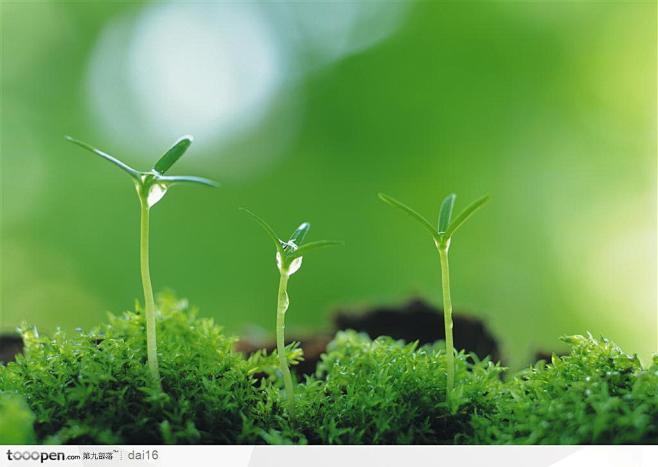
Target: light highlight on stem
(447,319)
(282,306)
(149,301)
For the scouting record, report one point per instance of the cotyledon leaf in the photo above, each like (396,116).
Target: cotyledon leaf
(275,238)
(173,154)
(465,214)
(302,250)
(397,204)
(300,232)
(445,213)
(122,165)
(188,179)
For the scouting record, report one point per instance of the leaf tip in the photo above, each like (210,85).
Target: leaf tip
(299,233)
(212,183)
(445,212)
(187,140)
(384,197)
(174,153)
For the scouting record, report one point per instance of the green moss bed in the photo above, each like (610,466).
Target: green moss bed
(94,388)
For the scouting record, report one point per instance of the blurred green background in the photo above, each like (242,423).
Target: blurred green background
(305,112)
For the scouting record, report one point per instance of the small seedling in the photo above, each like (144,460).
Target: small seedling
(289,256)
(442,236)
(151,187)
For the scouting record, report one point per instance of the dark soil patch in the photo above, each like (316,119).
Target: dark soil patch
(413,321)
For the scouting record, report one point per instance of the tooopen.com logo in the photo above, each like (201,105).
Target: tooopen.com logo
(38,456)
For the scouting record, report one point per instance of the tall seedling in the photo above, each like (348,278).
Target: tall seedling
(151,186)
(442,236)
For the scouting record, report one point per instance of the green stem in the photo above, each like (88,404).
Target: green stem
(149,302)
(447,319)
(282,306)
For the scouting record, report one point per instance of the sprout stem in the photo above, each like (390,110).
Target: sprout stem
(447,318)
(282,306)
(149,302)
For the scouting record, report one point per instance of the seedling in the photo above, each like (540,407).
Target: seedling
(289,256)
(151,187)
(442,236)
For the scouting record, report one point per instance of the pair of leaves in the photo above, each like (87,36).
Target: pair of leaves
(293,248)
(446,225)
(159,169)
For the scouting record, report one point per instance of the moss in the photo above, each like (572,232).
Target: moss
(595,394)
(94,387)
(389,392)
